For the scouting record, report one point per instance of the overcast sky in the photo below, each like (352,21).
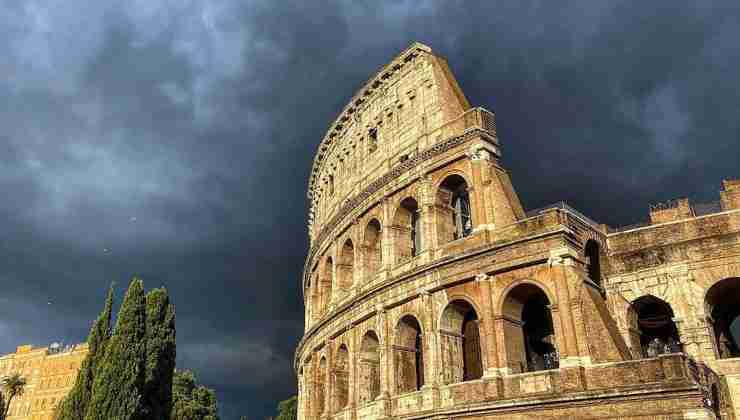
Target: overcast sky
(172,140)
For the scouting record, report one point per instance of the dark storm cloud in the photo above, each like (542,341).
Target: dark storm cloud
(173,140)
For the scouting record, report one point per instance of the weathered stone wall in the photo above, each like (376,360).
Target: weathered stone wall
(506,318)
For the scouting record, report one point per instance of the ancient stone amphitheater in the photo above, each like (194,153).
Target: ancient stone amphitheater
(431,293)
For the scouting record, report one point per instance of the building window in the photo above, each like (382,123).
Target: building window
(453,199)
(372,253)
(341,377)
(372,137)
(528,330)
(369,368)
(407,224)
(723,307)
(461,346)
(409,360)
(591,251)
(652,329)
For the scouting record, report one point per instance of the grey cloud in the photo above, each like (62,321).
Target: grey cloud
(200,119)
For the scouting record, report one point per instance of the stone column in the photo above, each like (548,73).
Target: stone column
(328,382)
(491,362)
(480,178)
(429,341)
(385,349)
(429,229)
(386,237)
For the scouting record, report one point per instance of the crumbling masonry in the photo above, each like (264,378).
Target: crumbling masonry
(431,293)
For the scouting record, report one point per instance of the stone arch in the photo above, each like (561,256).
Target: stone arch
(722,302)
(346,265)
(592,252)
(341,377)
(320,398)
(407,230)
(529,333)
(453,208)
(369,367)
(326,284)
(460,341)
(651,327)
(372,248)
(408,352)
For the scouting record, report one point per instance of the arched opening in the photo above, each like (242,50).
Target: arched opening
(723,307)
(653,330)
(326,284)
(346,266)
(593,262)
(528,330)
(372,252)
(369,388)
(409,355)
(407,226)
(453,207)
(320,381)
(461,346)
(341,377)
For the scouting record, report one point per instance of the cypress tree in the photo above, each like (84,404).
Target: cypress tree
(288,409)
(119,379)
(75,404)
(160,354)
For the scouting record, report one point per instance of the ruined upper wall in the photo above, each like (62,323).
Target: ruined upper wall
(407,106)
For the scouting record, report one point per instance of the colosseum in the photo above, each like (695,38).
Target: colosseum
(431,293)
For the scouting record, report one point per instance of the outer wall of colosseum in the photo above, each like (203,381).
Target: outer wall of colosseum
(431,293)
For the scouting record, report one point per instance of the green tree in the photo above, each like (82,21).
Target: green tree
(119,380)
(13,386)
(191,401)
(74,406)
(288,409)
(160,354)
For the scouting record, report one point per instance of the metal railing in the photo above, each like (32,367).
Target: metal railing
(562,205)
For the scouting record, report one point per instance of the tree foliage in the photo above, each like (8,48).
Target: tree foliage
(160,354)
(119,379)
(288,409)
(191,401)
(74,406)
(12,386)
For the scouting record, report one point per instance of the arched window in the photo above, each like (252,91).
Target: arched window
(723,307)
(453,203)
(409,355)
(591,251)
(317,309)
(372,250)
(326,284)
(652,328)
(460,340)
(407,227)
(341,377)
(346,266)
(320,385)
(528,330)
(369,368)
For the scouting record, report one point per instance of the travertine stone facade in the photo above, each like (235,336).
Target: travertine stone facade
(431,293)
(50,373)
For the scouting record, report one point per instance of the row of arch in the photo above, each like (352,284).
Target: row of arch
(408,237)
(528,332)
(529,339)
(653,330)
